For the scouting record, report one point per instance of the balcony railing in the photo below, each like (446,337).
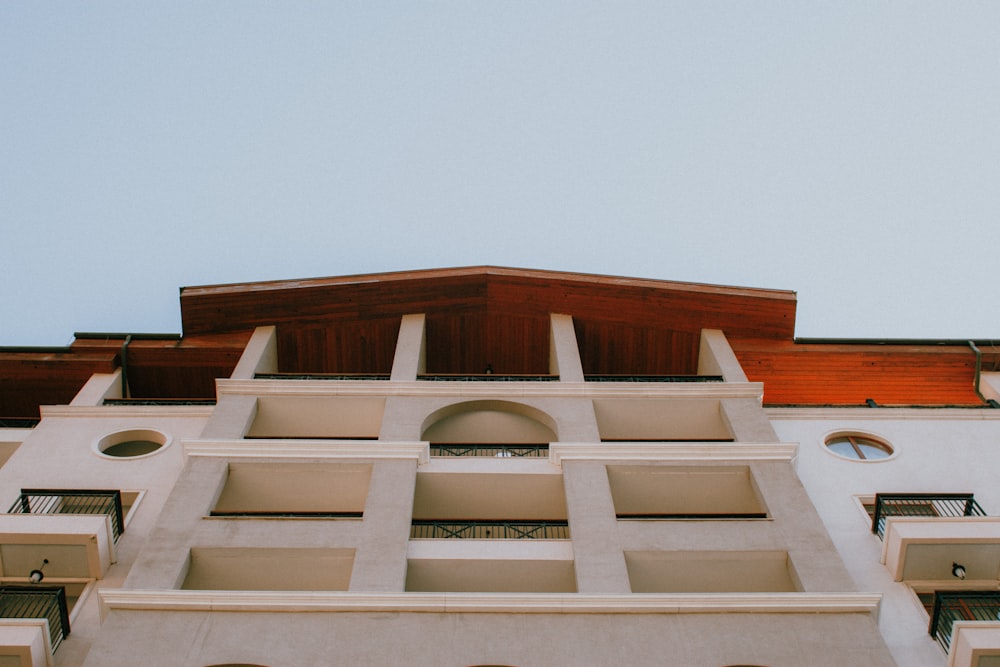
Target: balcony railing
(951,606)
(490,530)
(735,516)
(321,376)
(159,401)
(46,602)
(17,422)
(495,450)
(290,514)
(486,377)
(73,501)
(922,504)
(652,378)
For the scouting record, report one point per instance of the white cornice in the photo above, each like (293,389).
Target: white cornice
(880,413)
(554,389)
(121,411)
(520,603)
(672,451)
(312,449)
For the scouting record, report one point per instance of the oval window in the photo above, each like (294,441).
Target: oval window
(858,447)
(132,443)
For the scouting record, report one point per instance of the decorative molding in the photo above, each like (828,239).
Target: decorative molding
(312,449)
(672,451)
(128,411)
(555,389)
(521,603)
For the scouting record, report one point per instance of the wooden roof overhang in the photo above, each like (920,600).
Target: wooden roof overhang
(481,316)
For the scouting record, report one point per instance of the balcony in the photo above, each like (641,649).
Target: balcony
(73,501)
(702,493)
(951,607)
(922,505)
(42,602)
(491,450)
(490,530)
(281,490)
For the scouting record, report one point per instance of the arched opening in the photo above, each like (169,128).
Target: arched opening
(489,421)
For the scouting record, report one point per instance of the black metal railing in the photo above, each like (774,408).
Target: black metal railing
(16,422)
(321,376)
(485,529)
(486,377)
(922,504)
(495,450)
(951,606)
(652,378)
(73,501)
(288,514)
(738,516)
(46,602)
(159,401)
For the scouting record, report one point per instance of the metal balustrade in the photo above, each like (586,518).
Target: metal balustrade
(922,504)
(494,450)
(73,501)
(160,402)
(46,602)
(486,377)
(652,378)
(490,530)
(951,606)
(289,514)
(321,376)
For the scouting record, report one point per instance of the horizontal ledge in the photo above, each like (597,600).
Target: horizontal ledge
(105,411)
(716,390)
(673,451)
(537,603)
(333,449)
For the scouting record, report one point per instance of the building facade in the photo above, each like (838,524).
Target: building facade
(491,466)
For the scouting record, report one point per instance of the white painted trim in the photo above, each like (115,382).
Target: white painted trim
(121,411)
(672,451)
(297,449)
(538,603)
(491,389)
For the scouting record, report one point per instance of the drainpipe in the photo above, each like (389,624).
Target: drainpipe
(979,366)
(128,339)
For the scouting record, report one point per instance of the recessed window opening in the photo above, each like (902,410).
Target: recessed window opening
(132,443)
(858,447)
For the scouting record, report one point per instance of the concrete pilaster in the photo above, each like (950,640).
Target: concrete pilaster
(564,353)
(380,559)
(746,420)
(259,356)
(99,387)
(600,562)
(164,563)
(716,357)
(411,345)
(232,417)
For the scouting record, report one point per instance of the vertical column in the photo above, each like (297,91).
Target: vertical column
(746,420)
(232,417)
(715,357)
(599,560)
(99,387)
(411,349)
(564,353)
(380,558)
(259,356)
(195,492)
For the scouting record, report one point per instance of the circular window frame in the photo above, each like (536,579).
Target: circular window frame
(872,440)
(109,440)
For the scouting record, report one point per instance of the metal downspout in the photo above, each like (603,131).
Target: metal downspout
(979,366)
(128,339)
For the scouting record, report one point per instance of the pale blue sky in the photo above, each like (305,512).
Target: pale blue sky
(849,151)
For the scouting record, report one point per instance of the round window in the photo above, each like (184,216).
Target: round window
(131,444)
(858,447)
